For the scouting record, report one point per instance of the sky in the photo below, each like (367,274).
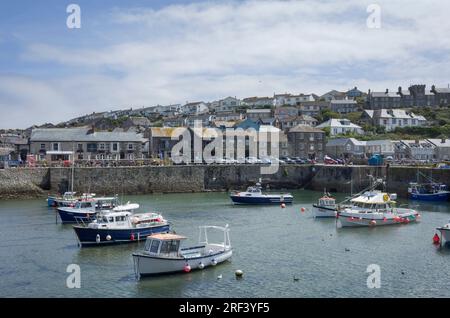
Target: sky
(139,53)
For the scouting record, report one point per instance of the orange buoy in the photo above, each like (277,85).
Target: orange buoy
(436,239)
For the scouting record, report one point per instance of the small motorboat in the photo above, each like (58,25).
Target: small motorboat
(163,254)
(375,208)
(254,195)
(120,226)
(67,199)
(428,191)
(445,232)
(86,210)
(326,207)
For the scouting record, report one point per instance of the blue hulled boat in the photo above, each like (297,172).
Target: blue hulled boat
(428,191)
(120,227)
(86,210)
(254,195)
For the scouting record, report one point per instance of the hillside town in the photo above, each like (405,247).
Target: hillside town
(405,126)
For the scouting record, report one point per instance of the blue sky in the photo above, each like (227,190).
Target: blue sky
(141,53)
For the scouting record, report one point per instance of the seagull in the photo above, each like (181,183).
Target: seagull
(219,277)
(295,278)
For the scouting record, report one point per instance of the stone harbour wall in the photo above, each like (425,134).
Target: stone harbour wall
(18,183)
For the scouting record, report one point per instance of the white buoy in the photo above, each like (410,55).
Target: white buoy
(213,262)
(97,238)
(219,277)
(108,237)
(201,265)
(239,273)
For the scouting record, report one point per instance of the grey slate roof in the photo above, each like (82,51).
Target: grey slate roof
(81,134)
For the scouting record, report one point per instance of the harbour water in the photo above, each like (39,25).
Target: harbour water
(271,246)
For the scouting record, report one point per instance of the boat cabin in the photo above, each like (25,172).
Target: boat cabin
(164,244)
(327,201)
(112,220)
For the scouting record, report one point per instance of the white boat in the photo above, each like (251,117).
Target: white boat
(326,207)
(163,254)
(445,232)
(375,208)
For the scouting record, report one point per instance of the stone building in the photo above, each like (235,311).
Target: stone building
(54,144)
(306,142)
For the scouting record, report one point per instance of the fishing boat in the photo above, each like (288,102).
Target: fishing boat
(445,232)
(326,207)
(67,199)
(120,226)
(254,195)
(86,210)
(163,254)
(428,191)
(375,208)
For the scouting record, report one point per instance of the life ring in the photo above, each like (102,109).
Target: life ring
(386,197)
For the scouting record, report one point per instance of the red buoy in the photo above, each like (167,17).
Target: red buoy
(436,239)
(132,236)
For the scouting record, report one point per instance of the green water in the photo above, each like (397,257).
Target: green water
(271,246)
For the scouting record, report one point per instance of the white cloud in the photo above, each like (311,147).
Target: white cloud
(209,50)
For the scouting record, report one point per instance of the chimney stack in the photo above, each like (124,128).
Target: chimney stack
(387,91)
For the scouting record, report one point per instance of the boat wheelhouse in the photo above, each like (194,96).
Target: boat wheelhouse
(67,199)
(163,254)
(254,195)
(120,226)
(86,210)
(375,208)
(326,207)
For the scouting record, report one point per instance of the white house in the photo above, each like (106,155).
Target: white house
(291,100)
(393,118)
(341,126)
(196,108)
(442,148)
(418,149)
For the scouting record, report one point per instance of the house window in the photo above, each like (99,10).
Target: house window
(115,146)
(319,146)
(91,147)
(43,146)
(302,146)
(311,147)
(130,146)
(80,147)
(102,146)
(55,146)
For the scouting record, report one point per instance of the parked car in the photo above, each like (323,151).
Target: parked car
(286,159)
(329,161)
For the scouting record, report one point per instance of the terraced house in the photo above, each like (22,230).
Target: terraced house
(54,144)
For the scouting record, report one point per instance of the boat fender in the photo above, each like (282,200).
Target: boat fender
(373,222)
(187,268)
(97,238)
(213,262)
(108,237)
(201,265)
(238,273)
(283,205)
(132,237)
(436,239)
